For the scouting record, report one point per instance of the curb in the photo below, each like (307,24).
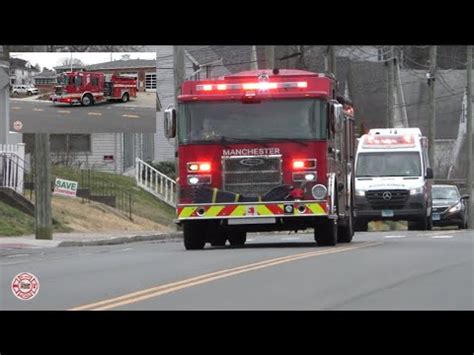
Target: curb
(123,240)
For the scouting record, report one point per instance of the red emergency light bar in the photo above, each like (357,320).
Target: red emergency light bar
(264,85)
(389,141)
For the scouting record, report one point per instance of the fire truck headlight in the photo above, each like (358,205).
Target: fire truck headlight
(319,191)
(310,177)
(360,192)
(416,191)
(199,179)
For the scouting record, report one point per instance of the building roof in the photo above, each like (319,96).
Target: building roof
(68,67)
(123,64)
(46,74)
(17,63)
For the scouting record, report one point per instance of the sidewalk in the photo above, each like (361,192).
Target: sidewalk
(85,239)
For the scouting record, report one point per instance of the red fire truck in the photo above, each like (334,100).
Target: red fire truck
(264,150)
(88,88)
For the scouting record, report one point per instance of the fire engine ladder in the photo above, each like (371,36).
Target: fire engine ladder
(155,182)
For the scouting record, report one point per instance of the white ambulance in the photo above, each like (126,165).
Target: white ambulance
(393,178)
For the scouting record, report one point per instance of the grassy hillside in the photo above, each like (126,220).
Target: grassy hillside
(144,204)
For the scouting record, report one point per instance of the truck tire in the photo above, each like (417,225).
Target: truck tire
(346,231)
(237,238)
(125,97)
(361,226)
(325,233)
(28,93)
(87,100)
(193,235)
(215,235)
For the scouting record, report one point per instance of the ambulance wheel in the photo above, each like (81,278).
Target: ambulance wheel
(125,97)
(361,226)
(87,100)
(325,233)
(193,235)
(346,231)
(237,238)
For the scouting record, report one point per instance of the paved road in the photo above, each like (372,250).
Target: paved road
(46,117)
(388,270)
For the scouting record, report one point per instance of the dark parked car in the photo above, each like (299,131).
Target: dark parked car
(449,207)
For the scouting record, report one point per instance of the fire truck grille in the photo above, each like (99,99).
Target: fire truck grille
(251,176)
(389,199)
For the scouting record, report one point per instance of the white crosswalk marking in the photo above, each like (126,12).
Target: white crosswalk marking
(395,236)
(441,237)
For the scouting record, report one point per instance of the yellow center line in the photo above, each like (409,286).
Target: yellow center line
(131,116)
(194,281)
(63,111)
(94,114)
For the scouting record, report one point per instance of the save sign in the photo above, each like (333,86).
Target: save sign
(65,187)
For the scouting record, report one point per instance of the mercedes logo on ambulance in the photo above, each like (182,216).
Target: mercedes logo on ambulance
(387,196)
(251,161)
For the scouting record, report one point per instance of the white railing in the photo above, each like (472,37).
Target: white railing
(155,182)
(12,166)
(12,171)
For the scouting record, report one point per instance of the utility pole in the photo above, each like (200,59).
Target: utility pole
(253,58)
(391,88)
(179,71)
(270,57)
(432,120)
(42,168)
(332,60)
(469,136)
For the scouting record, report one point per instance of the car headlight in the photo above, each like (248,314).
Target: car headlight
(360,192)
(455,208)
(418,190)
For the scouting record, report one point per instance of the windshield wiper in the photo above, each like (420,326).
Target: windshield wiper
(227,139)
(292,140)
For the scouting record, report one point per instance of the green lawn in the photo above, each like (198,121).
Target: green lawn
(144,204)
(14,222)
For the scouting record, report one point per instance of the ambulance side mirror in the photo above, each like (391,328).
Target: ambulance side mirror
(170,122)
(429,173)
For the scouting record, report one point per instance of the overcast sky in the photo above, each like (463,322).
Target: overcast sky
(51,60)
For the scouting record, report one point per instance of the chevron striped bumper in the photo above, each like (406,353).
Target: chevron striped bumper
(245,210)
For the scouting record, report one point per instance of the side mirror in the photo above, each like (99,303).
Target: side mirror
(429,173)
(170,122)
(465,197)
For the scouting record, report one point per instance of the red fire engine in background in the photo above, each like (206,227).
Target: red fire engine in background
(263,151)
(88,88)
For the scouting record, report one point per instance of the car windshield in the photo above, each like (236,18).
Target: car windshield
(215,121)
(445,192)
(388,164)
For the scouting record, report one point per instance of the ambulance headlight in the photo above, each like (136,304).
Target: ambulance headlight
(319,191)
(418,190)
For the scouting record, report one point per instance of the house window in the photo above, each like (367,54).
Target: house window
(150,81)
(72,143)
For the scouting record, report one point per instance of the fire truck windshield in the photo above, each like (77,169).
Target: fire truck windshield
(210,121)
(388,164)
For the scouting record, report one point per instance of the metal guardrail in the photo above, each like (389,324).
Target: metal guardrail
(106,192)
(155,182)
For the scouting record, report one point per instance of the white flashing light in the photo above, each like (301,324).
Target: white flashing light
(385,140)
(221,87)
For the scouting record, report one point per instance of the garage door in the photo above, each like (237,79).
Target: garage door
(150,82)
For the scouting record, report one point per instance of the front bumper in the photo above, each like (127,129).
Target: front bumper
(252,210)
(414,209)
(447,218)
